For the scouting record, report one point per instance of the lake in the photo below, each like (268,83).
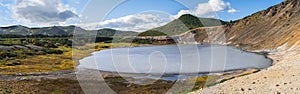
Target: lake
(173,61)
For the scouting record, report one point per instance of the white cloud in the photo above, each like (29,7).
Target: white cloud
(142,22)
(146,21)
(211,6)
(138,22)
(232,10)
(41,12)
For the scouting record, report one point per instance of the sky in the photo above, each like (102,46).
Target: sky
(127,15)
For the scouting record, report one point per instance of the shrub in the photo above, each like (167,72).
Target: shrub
(12,63)
(152,33)
(53,51)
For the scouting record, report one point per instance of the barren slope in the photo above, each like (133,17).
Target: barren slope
(267,29)
(275,30)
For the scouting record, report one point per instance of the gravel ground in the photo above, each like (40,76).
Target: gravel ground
(281,78)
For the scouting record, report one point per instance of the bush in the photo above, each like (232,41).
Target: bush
(12,63)
(7,54)
(152,33)
(53,51)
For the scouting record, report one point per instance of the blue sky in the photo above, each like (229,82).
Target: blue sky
(136,15)
(244,7)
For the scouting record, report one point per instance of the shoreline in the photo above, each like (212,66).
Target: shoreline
(166,74)
(266,56)
(71,74)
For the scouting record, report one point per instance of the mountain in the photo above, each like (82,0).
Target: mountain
(275,32)
(18,30)
(22,31)
(51,31)
(277,26)
(182,24)
(15,30)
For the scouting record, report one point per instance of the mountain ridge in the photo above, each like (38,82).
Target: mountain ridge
(183,24)
(275,32)
(279,22)
(23,31)
(267,29)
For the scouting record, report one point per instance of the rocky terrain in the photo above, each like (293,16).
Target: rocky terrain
(274,31)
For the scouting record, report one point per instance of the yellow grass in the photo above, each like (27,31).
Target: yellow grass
(56,62)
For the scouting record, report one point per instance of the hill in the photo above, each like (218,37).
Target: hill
(275,32)
(19,31)
(182,24)
(276,26)
(267,29)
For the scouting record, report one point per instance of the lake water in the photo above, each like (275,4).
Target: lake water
(179,61)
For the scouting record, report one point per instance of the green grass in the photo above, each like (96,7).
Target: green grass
(152,33)
(184,23)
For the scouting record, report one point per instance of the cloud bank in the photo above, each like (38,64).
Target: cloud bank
(54,12)
(211,6)
(142,22)
(45,12)
(137,22)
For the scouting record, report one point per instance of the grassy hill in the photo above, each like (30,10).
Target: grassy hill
(19,31)
(106,32)
(182,24)
(152,33)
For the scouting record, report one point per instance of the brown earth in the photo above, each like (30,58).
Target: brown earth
(274,31)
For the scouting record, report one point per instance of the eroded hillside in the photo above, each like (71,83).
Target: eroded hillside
(265,30)
(275,30)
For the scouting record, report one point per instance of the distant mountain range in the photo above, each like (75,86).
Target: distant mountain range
(177,26)
(25,31)
(22,31)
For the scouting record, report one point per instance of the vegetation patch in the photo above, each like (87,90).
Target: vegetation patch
(59,86)
(186,22)
(152,33)
(45,55)
(121,86)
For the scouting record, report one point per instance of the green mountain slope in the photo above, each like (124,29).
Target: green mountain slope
(182,24)
(106,32)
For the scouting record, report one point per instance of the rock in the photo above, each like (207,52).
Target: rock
(265,77)
(278,92)
(242,89)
